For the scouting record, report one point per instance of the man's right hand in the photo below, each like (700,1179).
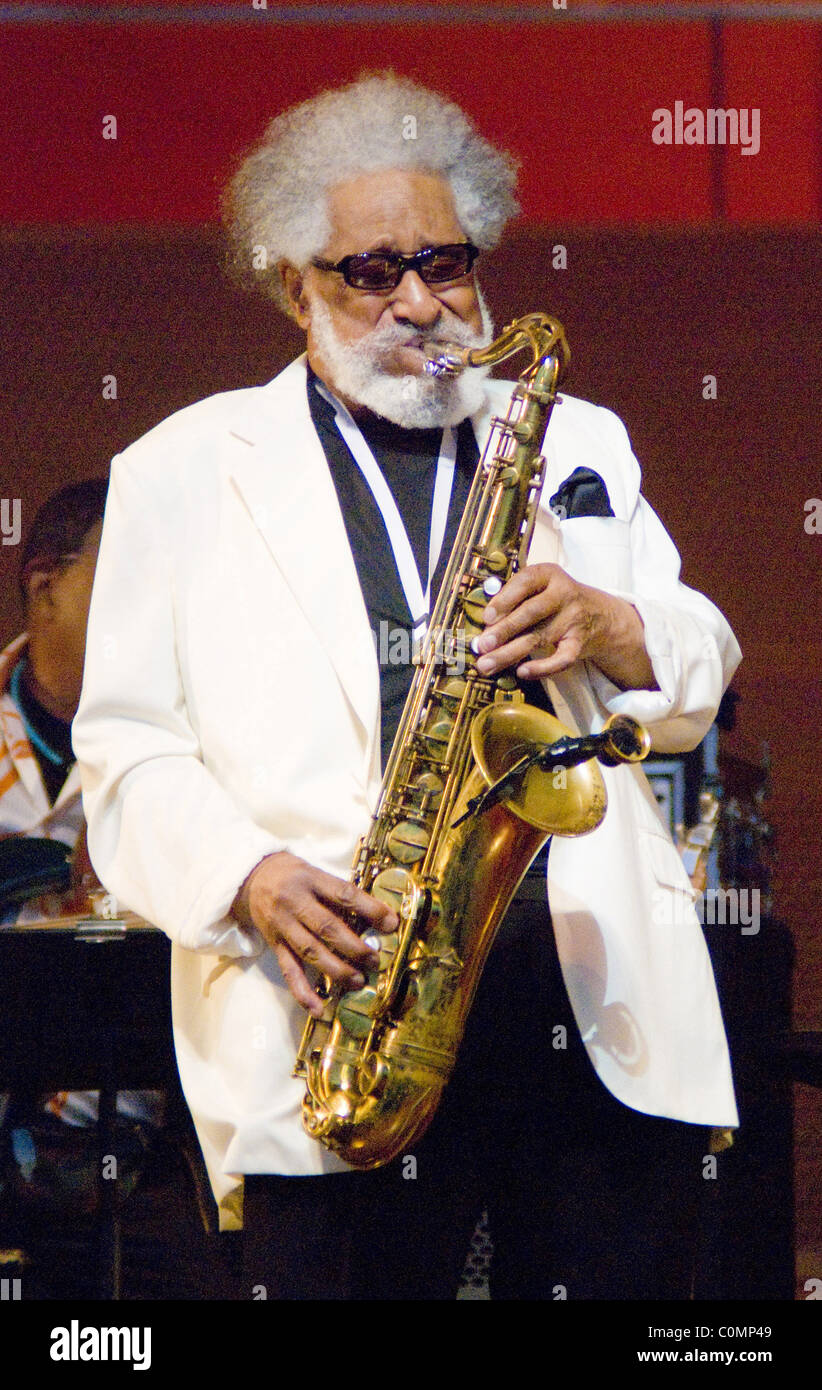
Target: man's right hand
(301,912)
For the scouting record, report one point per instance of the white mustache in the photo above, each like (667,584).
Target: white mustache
(448,329)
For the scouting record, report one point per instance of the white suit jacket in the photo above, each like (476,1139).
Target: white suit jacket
(231,708)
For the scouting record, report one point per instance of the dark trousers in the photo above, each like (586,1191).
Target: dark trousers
(586,1199)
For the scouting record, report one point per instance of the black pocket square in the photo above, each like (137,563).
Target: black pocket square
(582,494)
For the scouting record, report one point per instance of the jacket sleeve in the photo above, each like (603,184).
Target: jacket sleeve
(691,646)
(163,836)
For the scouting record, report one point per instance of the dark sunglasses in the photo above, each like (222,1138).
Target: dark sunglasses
(383,270)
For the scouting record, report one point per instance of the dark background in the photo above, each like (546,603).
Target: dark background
(681,262)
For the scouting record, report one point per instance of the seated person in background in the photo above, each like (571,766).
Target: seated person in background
(41,673)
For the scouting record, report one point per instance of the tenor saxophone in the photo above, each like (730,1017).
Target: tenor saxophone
(469,796)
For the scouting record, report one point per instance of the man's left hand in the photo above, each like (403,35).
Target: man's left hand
(543,621)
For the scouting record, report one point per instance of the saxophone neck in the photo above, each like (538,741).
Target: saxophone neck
(541,334)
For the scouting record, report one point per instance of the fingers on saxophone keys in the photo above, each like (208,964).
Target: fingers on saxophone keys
(331,937)
(370,911)
(357,906)
(297,981)
(298,947)
(509,654)
(509,639)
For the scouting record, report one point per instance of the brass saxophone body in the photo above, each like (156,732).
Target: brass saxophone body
(469,796)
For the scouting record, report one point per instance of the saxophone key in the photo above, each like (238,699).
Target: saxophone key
(385,946)
(438,732)
(355,1011)
(474,606)
(407,842)
(452,689)
(391,886)
(429,787)
(496,560)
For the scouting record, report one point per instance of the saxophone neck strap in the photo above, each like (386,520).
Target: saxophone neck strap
(418,600)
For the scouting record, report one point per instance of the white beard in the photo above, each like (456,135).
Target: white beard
(409,400)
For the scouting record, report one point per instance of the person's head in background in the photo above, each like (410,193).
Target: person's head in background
(56,576)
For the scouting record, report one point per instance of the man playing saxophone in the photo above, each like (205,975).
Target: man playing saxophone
(232,745)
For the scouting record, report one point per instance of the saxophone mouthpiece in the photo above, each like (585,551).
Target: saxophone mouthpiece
(444,359)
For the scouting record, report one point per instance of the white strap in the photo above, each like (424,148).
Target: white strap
(418,602)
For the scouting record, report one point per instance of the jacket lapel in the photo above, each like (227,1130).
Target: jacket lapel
(279,469)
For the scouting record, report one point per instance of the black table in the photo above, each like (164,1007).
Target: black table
(85,1005)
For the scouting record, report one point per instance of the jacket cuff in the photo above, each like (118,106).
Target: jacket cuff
(661,646)
(209,925)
